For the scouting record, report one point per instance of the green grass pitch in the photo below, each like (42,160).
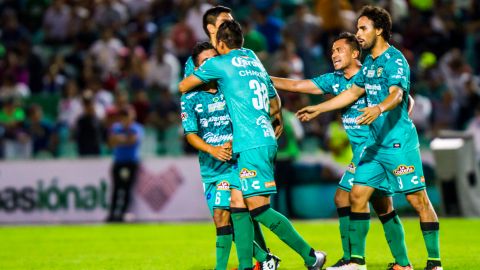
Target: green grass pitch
(191,246)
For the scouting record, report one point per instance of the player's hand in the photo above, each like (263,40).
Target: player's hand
(308,113)
(277,124)
(369,115)
(222,152)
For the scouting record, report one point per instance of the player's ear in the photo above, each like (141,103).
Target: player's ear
(355,54)
(379,31)
(211,28)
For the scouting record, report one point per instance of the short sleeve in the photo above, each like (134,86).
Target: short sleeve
(188,115)
(397,73)
(210,70)
(325,83)
(360,77)
(272,92)
(189,67)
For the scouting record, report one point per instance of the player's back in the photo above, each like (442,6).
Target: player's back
(246,86)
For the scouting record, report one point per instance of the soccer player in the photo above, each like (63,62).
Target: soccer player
(247,89)
(212,19)
(393,147)
(345,54)
(208,128)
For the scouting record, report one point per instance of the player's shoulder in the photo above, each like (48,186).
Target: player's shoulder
(394,55)
(190,97)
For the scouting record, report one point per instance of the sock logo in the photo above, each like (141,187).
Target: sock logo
(246,173)
(403,169)
(224,185)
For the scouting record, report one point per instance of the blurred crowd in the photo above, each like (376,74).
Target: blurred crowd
(68,66)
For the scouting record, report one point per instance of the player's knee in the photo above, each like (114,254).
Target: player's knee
(358,199)
(382,205)
(221,217)
(256,212)
(419,201)
(342,199)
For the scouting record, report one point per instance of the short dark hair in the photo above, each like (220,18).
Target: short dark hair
(351,40)
(198,49)
(230,32)
(210,16)
(381,19)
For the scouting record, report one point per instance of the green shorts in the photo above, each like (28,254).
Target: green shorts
(348,178)
(256,171)
(217,193)
(403,170)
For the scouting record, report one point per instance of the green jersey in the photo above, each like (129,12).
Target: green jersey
(392,131)
(206,115)
(335,83)
(247,88)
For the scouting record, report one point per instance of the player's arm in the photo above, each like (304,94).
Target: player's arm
(411,104)
(189,83)
(296,86)
(341,101)
(276,115)
(221,152)
(391,102)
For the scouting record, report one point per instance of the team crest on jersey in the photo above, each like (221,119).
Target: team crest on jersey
(403,169)
(351,167)
(270,184)
(224,185)
(184,116)
(379,71)
(246,173)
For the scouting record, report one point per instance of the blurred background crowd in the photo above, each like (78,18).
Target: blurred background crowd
(68,66)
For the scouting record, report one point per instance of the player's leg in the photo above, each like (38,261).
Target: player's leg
(116,180)
(342,202)
(243,230)
(368,176)
(429,225)
(392,226)
(408,171)
(257,185)
(217,195)
(259,253)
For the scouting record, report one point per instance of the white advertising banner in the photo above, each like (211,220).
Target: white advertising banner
(63,191)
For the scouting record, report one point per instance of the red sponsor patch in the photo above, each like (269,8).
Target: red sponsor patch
(246,173)
(403,169)
(184,116)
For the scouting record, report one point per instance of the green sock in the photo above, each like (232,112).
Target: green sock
(430,231)
(224,244)
(243,230)
(259,253)
(282,227)
(344,220)
(358,230)
(258,236)
(393,228)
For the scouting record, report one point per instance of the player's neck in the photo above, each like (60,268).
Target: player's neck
(380,47)
(352,69)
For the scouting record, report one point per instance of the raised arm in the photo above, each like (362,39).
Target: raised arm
(296,86)
(342,100)
(189,83)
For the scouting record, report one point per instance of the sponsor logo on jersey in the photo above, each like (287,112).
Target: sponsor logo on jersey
(397,145)
(217,106)
(245,62)
(266,125)
(270,184)
(224,185)
(184,116)
(422,179)
(379,71)
(246,173)
(351,168)
(370,73)
(211,138)
(403,169)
